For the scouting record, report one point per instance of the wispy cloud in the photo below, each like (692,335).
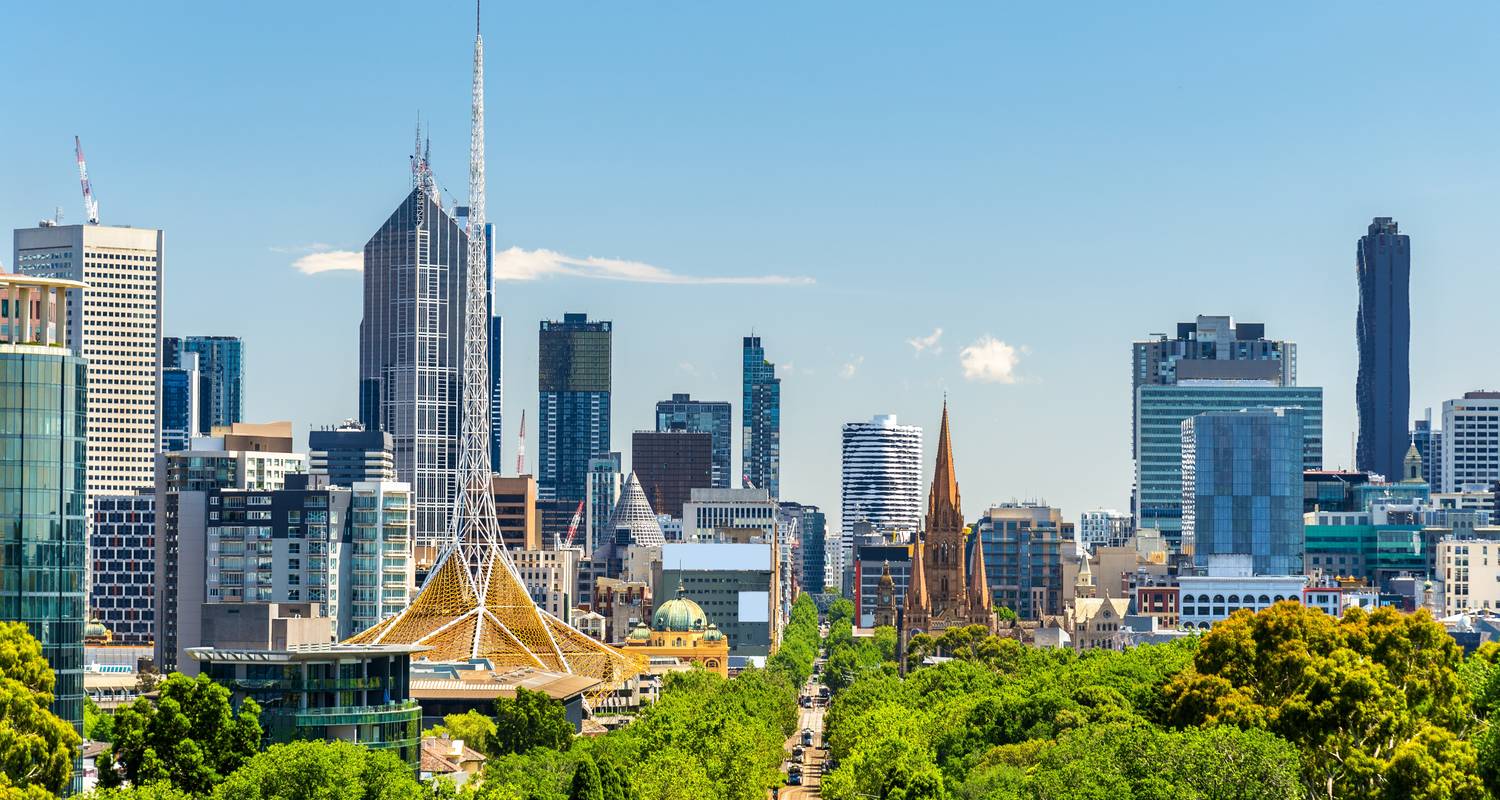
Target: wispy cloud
(330,261)
(847,371)
(923,344)
(516,264)
(989,360)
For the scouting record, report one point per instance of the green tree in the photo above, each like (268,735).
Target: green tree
(586,784)
(887,643)
(36,746)
(1369,699)
(189,737)
(154,791)
(841,610)
(530,719)
(97,725)
(1005,614)
(474,729)
(317,770)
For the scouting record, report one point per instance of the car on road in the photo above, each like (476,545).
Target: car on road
(798,752)
(794,777)
(807,736)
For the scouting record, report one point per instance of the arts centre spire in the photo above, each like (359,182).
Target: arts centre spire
(474,604)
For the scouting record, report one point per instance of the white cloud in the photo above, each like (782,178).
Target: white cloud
(330,261)
(989,360)
(516,264)
(848,370)
(928,342)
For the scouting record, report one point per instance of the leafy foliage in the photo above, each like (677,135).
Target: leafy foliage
(474,729)
(322,771)
(530,719)
(188,737)
(36,746)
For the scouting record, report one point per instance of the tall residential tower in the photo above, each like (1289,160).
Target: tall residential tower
(573,379)
(760,449)
(1382,390)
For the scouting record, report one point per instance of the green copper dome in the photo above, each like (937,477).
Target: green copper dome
(680,614)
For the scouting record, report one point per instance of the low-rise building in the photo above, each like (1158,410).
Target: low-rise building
(1207,599)
(680,629)
(736,585)
(550,577)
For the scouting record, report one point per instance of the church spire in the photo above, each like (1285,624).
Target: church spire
(943,502)
(980,603)
(916,590)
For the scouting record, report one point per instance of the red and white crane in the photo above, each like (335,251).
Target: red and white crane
(90,205)
(573,526)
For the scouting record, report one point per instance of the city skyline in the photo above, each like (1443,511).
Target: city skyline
(1011,235)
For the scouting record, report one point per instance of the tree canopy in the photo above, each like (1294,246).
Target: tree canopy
(37,747)
(530,719)
(189,737)
(322,771)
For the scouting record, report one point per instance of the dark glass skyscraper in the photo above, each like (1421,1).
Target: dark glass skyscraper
(221,376)
(761,414)
(573,380)
(179,399)
(409,344)
(1382,390)
(683,413)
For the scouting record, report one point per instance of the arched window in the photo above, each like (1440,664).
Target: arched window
(1279,598)
(1234,599)
(1218,599)
(1265,601)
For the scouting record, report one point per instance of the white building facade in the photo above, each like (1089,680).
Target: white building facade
(1471,441)
(881,479)
(1103,527)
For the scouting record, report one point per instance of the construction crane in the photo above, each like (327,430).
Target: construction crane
(521,447)
(573,525)
(90,205)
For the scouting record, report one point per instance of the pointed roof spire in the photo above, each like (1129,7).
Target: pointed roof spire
(916,590)
(632,511)
(944,495)
(979,583)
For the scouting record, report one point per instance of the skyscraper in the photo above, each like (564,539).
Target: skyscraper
(179,401)
(43,397)
(221,376)
(1160,411)
(761,414)
(683,413)
(1470,459)
(1212,348)
(1382,390)
(1429,444)
(604,483)
(114,324)
(1242,487)
(409,344)
(573,379)
(882,478)
(670,464)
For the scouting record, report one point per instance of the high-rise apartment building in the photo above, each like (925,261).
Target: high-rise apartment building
(221,376)
(882,478)
(1160,411)
(573,379)
(180,382)
(1025,546)
(1104,527)
(670,465)
(516,516)
(683,413)
(760,410)
(348,454)
(240,456)
(122,551)
(605,480)
(1382,388)
(1429,444)
(409,344)
(115,325)
(812,545)
(1242,487)
(1471,442)
(1212,348)
(44,394)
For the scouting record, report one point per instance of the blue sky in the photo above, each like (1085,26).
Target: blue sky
(1055,181)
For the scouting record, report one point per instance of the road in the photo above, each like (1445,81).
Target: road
(812,759)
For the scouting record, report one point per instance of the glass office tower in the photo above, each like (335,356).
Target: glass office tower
(1382,390)
(761,415)
(683,413)
(573,380)
(1242,487)
(43,508)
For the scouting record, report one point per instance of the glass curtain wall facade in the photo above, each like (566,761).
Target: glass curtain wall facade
(1382,389)
(221,379)
(1160,412)
(43,508)
(573,379)
(683,413)
(1242,487)
(760,447)
(179,400)
(409,352)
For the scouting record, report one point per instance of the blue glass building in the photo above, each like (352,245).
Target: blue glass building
(573,380)
(1160,411)
(1382,390)
(221,376)
(1242,487)
(683,413)
(179,401)
(761,420)
(43,508)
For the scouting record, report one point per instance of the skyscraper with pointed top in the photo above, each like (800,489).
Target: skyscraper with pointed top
(474,604)
(947,589)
